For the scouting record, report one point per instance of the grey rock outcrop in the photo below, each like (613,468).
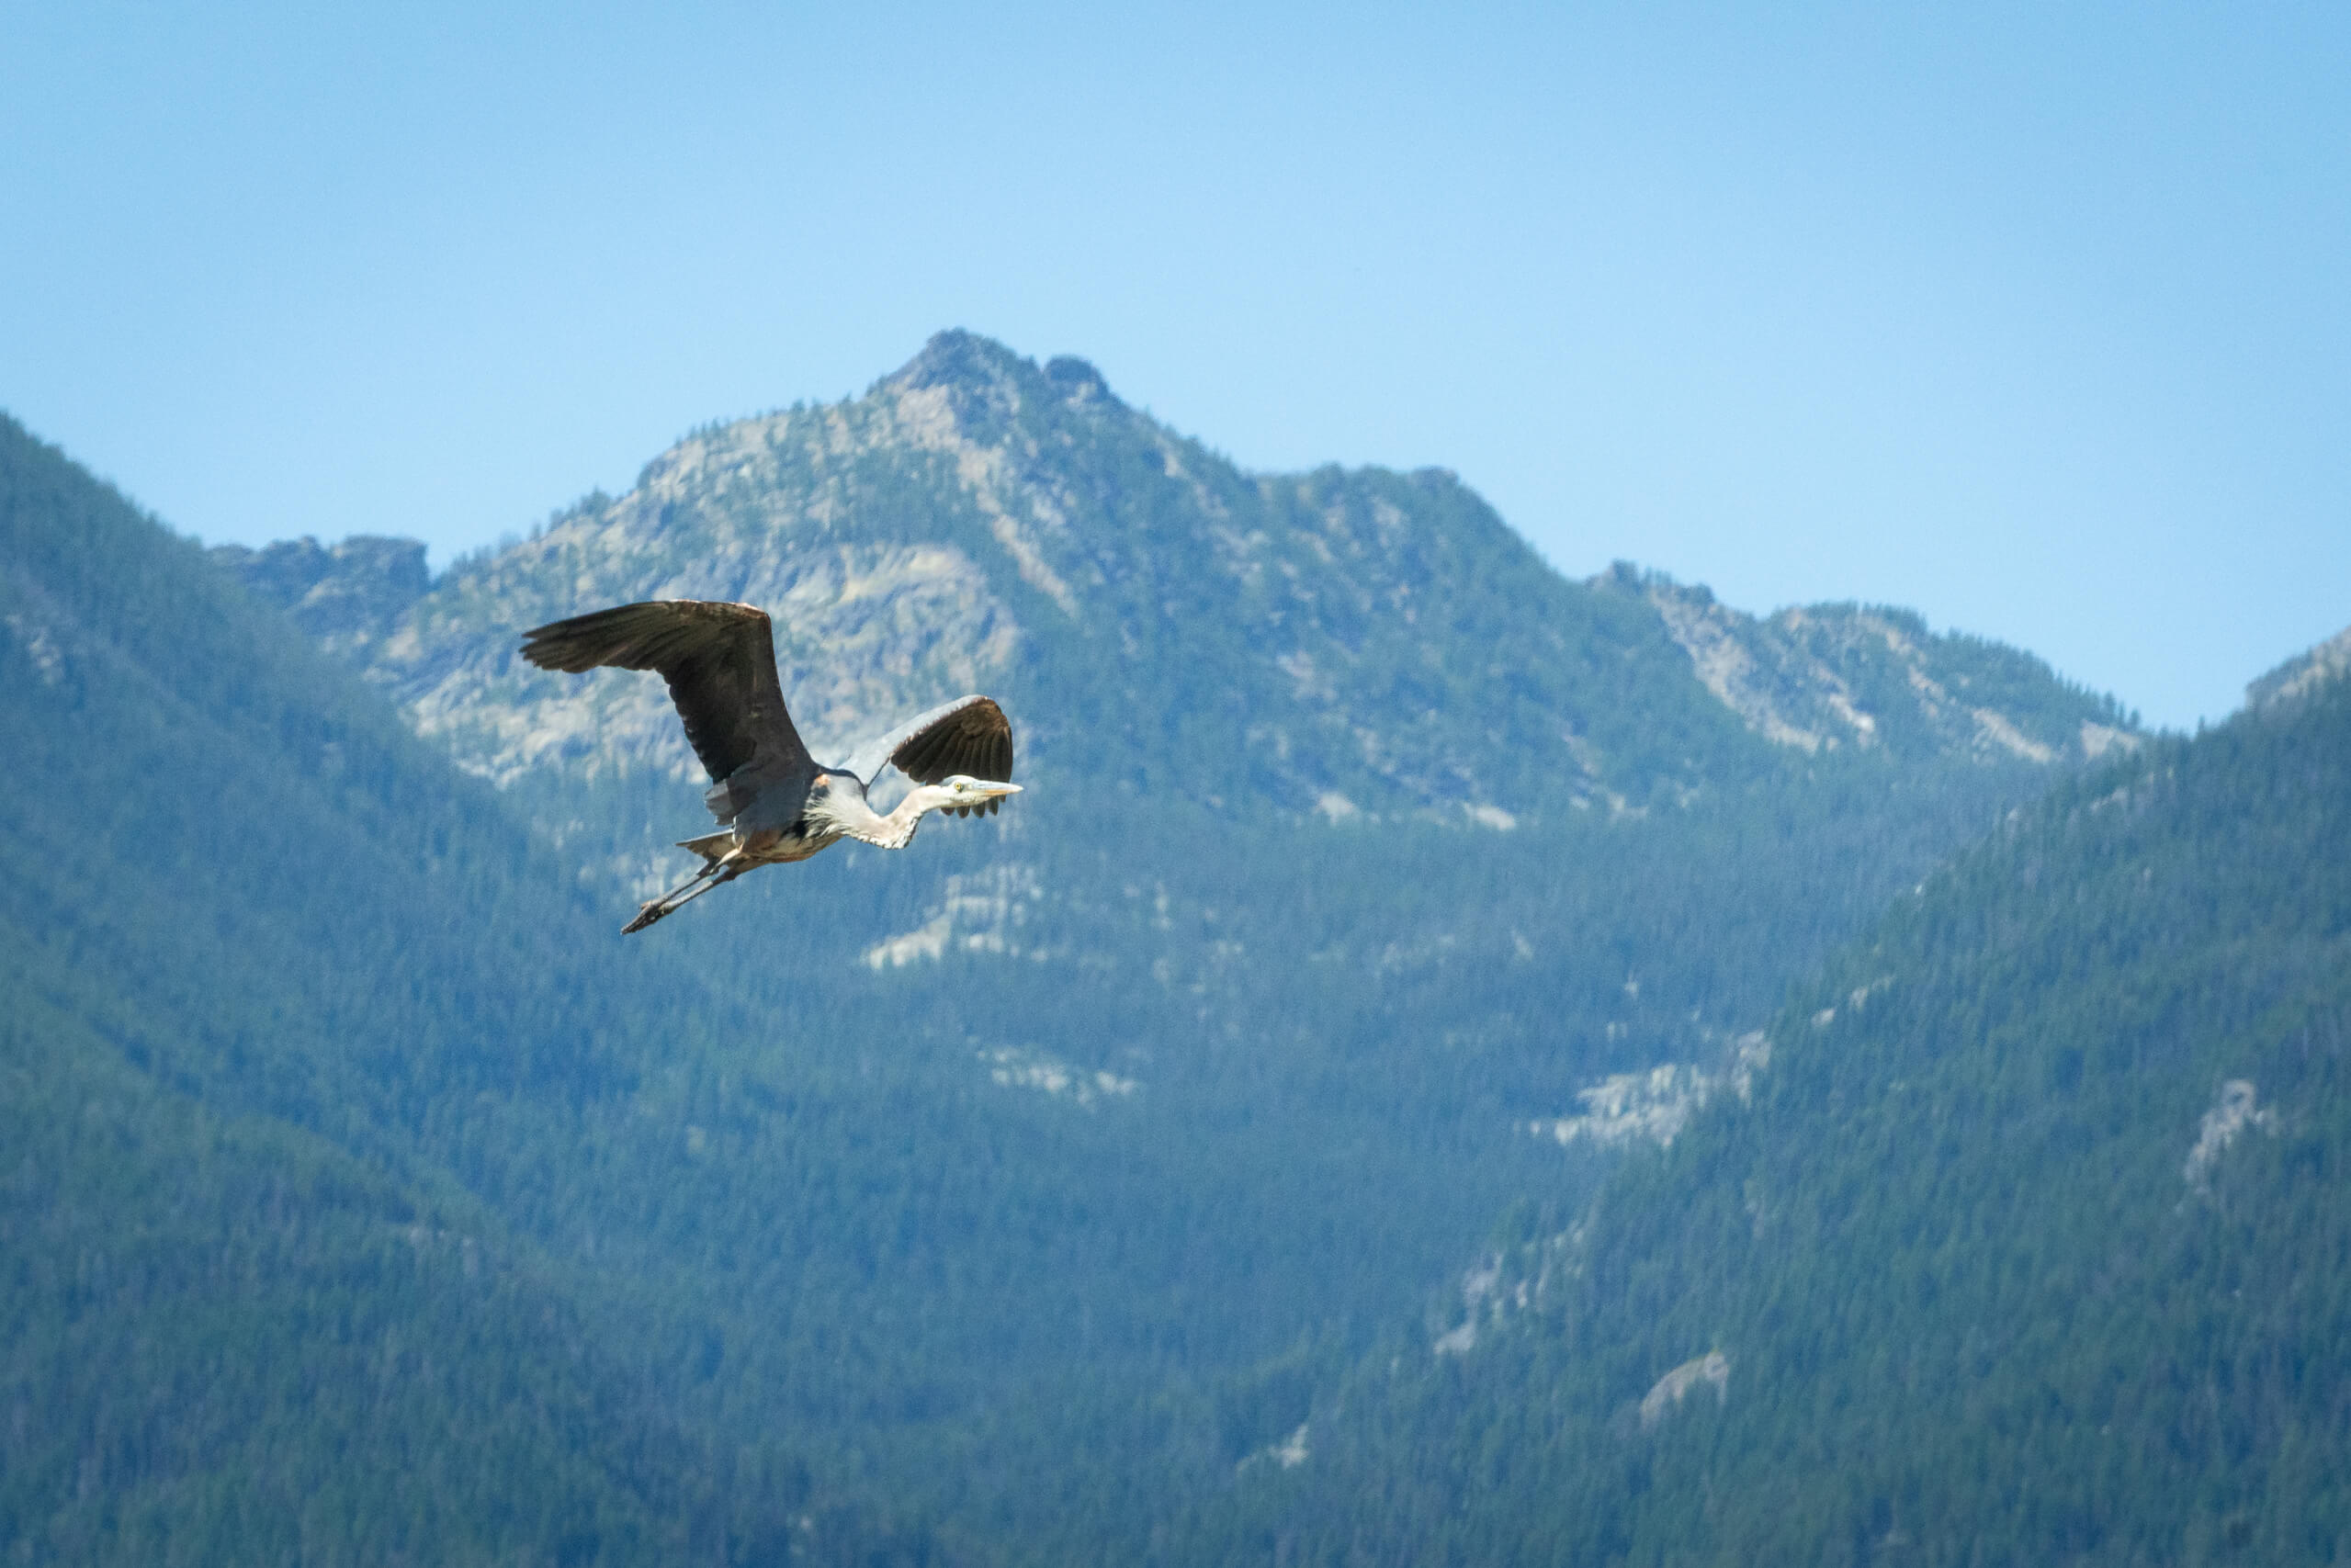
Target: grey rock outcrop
(1824,677)
(346,596)
(2328,662)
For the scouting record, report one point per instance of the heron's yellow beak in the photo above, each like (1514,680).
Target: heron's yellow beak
(978,792)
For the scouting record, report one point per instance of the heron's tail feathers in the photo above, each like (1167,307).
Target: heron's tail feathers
(711,847)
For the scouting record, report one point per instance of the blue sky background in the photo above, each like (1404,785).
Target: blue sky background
(2035,319)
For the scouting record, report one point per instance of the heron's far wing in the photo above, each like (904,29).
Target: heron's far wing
(718,659)
(969,736)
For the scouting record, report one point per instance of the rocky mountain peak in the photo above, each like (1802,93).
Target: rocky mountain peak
(983,382)
(1358,643)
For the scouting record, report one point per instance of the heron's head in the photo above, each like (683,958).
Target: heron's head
(963,794)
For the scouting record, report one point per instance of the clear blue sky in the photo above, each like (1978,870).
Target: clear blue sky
(2036,318)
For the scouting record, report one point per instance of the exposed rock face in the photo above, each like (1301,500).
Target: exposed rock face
(1712,1369)
(1762,673)
(2329,661)
(1288,1454)
(346,596)
(1653,1107)
(2231,1113)
(1481,1301)
(979,913)
(1844,675)
(1016,1066)
(1504,1285)
(1357,644)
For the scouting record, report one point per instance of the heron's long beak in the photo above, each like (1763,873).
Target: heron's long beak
(996,787)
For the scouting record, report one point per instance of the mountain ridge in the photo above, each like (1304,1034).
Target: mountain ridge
(2302,674)
(1379,641)
(2024,1247)
(1052,1171)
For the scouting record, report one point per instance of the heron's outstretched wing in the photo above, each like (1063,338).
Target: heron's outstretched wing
(719,660)
(969,736)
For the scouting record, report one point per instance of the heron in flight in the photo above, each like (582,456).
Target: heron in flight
(774,803)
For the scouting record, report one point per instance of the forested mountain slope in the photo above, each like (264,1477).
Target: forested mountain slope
(294,1013)
(1025,1183)
(1359,844)
(1204,666)
(2032,1246)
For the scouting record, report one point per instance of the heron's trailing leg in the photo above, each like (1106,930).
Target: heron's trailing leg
(717,873)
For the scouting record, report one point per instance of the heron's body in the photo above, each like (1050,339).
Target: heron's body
(776,802)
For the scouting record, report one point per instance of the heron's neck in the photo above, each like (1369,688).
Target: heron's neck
(843,809)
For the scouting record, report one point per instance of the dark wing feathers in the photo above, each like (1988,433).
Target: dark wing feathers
(719,660)
(970,736)
(974,739)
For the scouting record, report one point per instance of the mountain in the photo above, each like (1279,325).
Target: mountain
(1834,675)
(1359,843)
(1169,625)
(1002,1198)
(346,594)
(2328,662)
(2026,1245)
(1195,655)
(275,1122)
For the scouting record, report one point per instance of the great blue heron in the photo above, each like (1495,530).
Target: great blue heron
(776,802)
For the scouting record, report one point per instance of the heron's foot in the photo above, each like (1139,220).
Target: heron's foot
(646,915)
